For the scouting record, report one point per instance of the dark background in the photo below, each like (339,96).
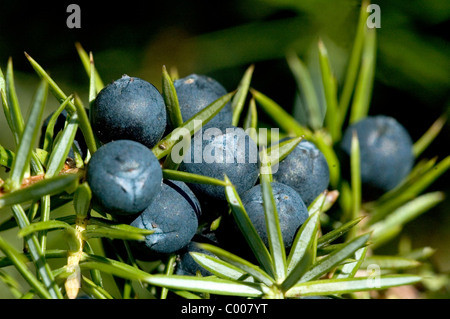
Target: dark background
(222,38)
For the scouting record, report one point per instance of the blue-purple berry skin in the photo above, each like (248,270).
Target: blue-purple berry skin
(124,176)
(306,170)
(129,108)
(172,217)
(195,92)
(292,211)
(187,266)
(386,151)
(228,151)
(182,189)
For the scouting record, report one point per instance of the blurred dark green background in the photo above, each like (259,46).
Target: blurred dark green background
(222,38)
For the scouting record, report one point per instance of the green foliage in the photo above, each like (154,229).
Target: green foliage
(330,252)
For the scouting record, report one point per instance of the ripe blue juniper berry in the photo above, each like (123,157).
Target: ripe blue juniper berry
(129,108)
(292,211)
(225,150)
(306,170)
(187,265)
(195,92)
(386,151)
(173,215)
(124,177)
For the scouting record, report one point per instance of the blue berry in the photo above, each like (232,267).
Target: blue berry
(195,92)
(292,211)
(173,216)
(385,150)
(225,150)
(129,108)
(124,177)
(306,170)
(187,266)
